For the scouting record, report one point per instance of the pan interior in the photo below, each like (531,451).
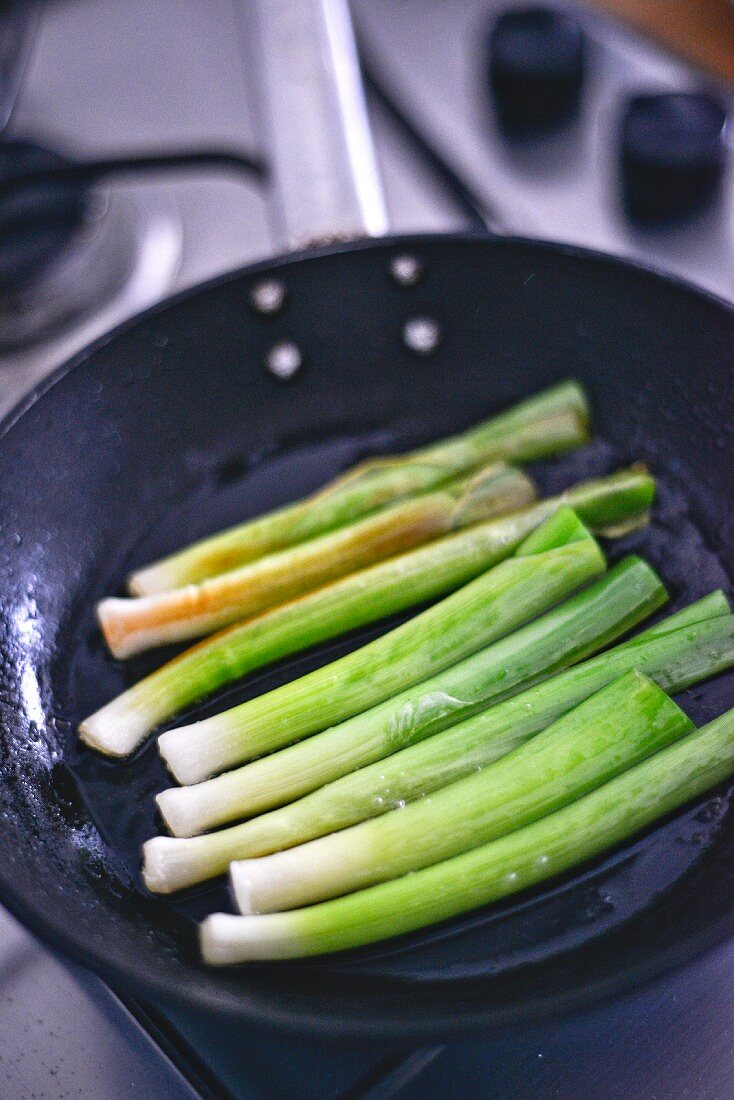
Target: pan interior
(174,428)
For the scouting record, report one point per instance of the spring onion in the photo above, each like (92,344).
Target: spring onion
(553,421)
(687,647)
(580,831)
(560,637)
(485,609)
(133,625)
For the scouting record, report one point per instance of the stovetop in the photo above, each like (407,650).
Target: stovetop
(101,78)
(562,182)
(108,79)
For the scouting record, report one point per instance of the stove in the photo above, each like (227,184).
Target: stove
(87,79)
(175,229)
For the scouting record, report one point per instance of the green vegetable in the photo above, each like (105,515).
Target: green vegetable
(687,647)
(539,851)
(553,421)
(560,637)
(484,610)
(619,726)
(363,597)
(133,625)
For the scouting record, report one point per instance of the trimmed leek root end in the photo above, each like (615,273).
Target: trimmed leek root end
(117,728)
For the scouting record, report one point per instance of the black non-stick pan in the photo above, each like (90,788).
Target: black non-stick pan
(174,426)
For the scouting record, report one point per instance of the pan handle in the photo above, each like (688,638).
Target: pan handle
(325,175)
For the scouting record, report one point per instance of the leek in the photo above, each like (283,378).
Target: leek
(555,420)
(133,625)
(560,637)
(483,610)
(622,724)
(550,846)
(363,597)
(691,645)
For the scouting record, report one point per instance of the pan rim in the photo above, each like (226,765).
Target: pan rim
(321,1019)
(329,1023)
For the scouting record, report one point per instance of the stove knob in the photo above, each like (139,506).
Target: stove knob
(536,67)
(673,155)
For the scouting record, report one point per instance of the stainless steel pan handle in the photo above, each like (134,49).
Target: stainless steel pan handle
(324,169)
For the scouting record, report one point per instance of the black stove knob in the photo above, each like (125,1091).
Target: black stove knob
(37,220)
(673,155)
(536,67)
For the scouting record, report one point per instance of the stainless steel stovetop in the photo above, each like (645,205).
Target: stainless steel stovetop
(100,77)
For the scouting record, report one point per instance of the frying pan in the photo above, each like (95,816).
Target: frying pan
(172,426)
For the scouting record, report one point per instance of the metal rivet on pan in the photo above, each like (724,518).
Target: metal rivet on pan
(421,335)
(268,296)
(406,270)
(284,360)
